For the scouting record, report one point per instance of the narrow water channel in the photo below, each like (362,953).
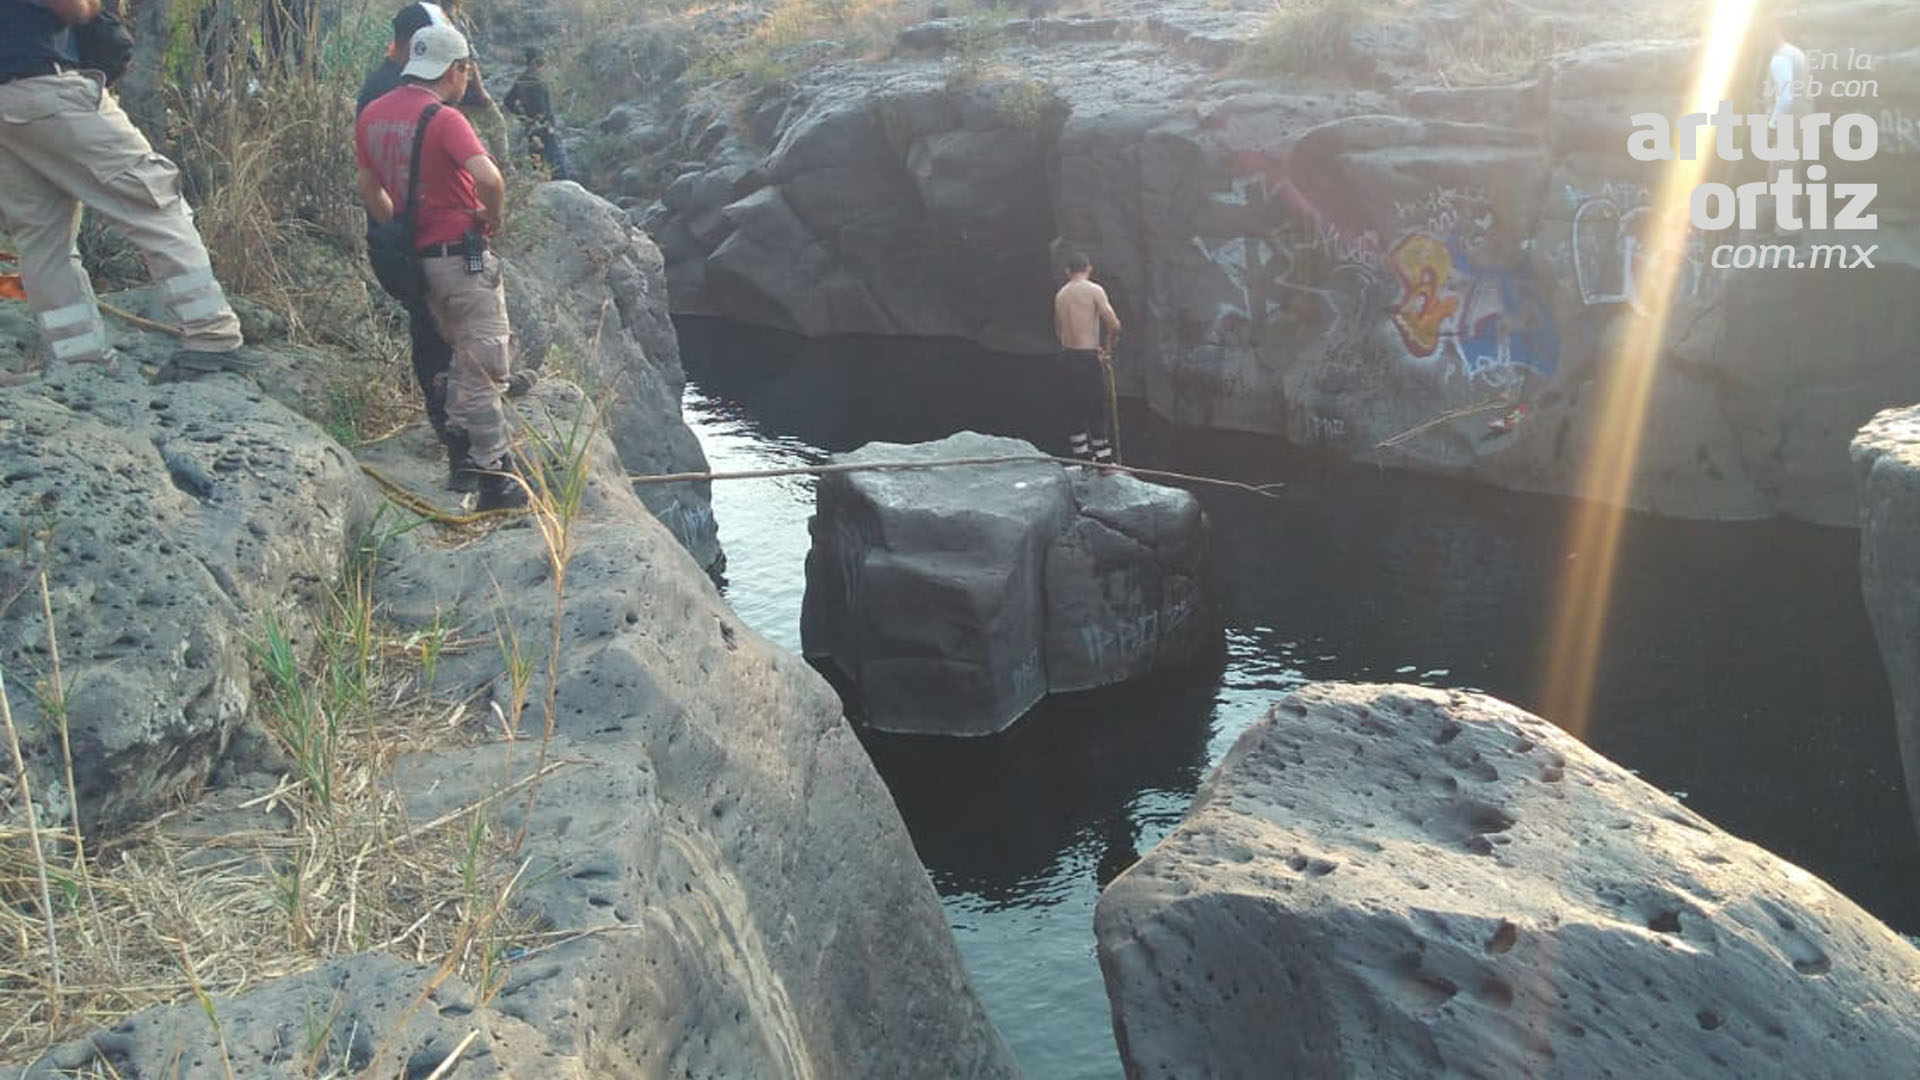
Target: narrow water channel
(1740,673)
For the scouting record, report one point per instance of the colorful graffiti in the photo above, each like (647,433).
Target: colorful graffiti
(1423,312)
(1451,309)
(1486,320)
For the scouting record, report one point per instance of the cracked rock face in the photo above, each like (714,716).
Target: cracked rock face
(956,598)
(588,284)
(1338,259)
(1387,881)
(1886,459)
(171,522)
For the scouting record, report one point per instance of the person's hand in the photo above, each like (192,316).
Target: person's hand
(1106,357)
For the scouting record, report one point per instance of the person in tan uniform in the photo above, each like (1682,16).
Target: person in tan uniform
(64,142)
(461,202)
(1088,329)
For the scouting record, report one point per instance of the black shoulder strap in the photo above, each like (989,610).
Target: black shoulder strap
(413,163)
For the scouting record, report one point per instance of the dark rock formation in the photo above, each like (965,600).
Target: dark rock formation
(955,599)
(586,284)
(1337,259)
(1886,457)
(1390,881)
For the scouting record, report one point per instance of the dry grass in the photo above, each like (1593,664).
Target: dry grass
(776,45)
(325,864)
(1475,43)
(1311,37)
(1499,42)
(243,889)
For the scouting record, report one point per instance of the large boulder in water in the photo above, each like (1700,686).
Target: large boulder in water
(1886,458)
(956,598)
(1386,881)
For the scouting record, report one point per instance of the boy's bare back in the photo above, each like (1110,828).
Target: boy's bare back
(1080,311)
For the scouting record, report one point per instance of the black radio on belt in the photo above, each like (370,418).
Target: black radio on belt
(474,245)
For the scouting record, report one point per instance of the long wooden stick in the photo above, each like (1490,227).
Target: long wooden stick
(1264,490)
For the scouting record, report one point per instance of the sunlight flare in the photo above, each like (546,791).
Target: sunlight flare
(1625,386)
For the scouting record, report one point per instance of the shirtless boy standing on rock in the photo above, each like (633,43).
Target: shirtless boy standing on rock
(1088,330)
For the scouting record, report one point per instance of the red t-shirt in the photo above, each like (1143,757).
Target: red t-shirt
(383,142)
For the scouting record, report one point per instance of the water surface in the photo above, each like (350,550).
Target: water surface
(1740,673)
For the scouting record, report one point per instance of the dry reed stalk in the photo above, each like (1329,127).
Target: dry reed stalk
(25,791)
(369,879)
(58,698)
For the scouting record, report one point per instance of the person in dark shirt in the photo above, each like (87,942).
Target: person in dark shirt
(432,355)
(476,105)
(529,102)
(386,76)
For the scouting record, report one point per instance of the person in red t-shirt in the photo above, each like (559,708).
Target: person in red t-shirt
(462,201)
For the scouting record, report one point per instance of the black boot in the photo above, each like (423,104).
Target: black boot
(500,487)
(460,474)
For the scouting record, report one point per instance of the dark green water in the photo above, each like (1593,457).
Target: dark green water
(1739,672)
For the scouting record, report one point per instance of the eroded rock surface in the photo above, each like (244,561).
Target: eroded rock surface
(1387,881)
(956,598)
(1339,257)
(732,890)
(1886,458)
(587,292)
(172,522)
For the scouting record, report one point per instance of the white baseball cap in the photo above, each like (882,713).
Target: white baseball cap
(433,50)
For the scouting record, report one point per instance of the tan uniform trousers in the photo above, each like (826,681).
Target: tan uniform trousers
(64,142)
(471,313)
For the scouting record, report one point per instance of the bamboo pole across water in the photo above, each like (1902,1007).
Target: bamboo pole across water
(423,507)
(1268,491)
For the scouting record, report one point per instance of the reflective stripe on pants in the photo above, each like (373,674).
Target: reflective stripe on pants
(64,141)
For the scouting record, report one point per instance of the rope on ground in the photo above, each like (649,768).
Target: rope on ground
(1263,490)
(141,322)
(1503,401)
(412,501)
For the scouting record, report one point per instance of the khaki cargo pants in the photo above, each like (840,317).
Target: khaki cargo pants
(471,312)
(64,142)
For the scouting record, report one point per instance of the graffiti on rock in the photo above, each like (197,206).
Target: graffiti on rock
(1901,132)
(1026,680)
(1424,310)
(1132,638)
(1485,321)
(1612,249)
(1452,310)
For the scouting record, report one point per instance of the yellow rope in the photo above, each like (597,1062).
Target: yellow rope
(142,323)
(407,499)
